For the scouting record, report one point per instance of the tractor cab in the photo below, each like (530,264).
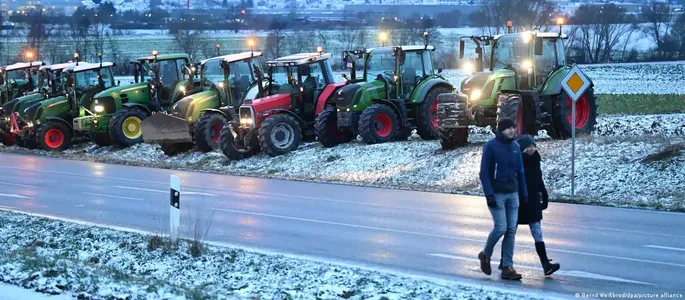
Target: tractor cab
(232,77)
(171,77)
(304,77)
(18,79)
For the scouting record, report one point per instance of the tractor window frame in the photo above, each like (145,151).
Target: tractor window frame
(559,51)
(513,39)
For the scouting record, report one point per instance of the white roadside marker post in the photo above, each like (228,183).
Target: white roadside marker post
(174,207)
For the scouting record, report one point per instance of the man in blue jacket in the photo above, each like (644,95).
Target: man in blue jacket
(502,177)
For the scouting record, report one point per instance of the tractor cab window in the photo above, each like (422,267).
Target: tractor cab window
(546,62)
(410,72)
(561,55)
(283,79)
(312,77)
(19,76)
(509,51)
(380,62)
(241,77)
(427,63)
(169,72)
(212,71)
(107,78)
(89,79)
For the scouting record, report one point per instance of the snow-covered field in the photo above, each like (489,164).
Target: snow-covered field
(608,166)
(88,262)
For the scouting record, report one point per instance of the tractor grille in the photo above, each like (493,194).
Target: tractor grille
(345,96)
(246,113)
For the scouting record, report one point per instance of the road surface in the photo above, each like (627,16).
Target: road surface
(600,249)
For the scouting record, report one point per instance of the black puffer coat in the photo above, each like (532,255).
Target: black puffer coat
(538,198)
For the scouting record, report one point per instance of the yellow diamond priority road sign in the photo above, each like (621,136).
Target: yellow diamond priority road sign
(575,83)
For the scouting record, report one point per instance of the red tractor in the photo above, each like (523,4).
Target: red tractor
(298,88)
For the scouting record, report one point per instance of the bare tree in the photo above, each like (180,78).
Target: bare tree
(189,41)
(524,14)
(274,42)
(347,36)
(678,33)
(658,17)
(600,30)
(298,41)
(36,35)
(99,35)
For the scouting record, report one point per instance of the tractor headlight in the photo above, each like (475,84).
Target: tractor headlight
(528,66)
(29,124)
(182,89)
(475,95)
(246,121)
(468,67)
(99,109)
(221,84)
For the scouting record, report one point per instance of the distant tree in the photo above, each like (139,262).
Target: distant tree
(524,14)
(658,17)
(106,11)
(274,41)
(36,35)
(189,41)
(678,34)
(599,31)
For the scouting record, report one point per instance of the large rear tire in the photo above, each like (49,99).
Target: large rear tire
(586,115)
(454,137)
(427,120)
(279,135)
(54,136)
(208,131)
(327,131)
(508,106)
(234,148)
(100,139)
(124,128)
(378,124)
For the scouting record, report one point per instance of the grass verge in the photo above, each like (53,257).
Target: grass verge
(640,104)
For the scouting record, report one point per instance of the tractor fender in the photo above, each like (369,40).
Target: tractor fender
(326,96)
(226,112)
(303,125)
(58,119)
(138,105)
(398,110)
(421,94)
(552,85)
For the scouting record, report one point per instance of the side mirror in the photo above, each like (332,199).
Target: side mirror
(461,49)
(118,82)
(538,46)
(439,70)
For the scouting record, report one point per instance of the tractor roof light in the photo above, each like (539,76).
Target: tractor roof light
(154,53)
(509,25)
(319,50)
(560,22)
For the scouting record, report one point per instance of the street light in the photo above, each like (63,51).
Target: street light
(383,36)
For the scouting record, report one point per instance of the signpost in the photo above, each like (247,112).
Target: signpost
(575,83)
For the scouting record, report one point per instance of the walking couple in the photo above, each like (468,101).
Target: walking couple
(515,193)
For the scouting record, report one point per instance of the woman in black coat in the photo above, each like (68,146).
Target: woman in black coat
(530,212)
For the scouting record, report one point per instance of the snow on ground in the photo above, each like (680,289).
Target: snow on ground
(89,262)
(608,167)
(12,292)
(630,78)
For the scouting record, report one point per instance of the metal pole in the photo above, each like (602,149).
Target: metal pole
(573,149)
(174,208)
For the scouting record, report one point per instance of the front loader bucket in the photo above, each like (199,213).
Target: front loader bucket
(161,128)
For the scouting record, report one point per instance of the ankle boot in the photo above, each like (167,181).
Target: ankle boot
(547,266)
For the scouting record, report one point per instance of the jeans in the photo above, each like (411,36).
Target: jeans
(536,231)
(505,216)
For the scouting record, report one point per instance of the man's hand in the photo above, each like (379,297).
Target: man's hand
(492,203)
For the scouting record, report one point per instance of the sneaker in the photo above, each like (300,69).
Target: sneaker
(484,263)
(510,274)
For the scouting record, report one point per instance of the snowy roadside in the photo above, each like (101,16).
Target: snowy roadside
(88,262)
(609,170)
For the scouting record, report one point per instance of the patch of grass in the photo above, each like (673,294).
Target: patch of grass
(640,104)
(155,242)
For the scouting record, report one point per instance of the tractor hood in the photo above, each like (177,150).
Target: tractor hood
(476,80)
(113,91)
(21,103)
(189,107)
(269,102)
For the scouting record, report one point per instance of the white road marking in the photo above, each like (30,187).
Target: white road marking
(79,205)
(664,247)
(571,273)
(112,196)
(434,235)
(161,191)
(615,229)
(19,185)
(14,196)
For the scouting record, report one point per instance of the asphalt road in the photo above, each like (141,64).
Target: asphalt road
(611,250)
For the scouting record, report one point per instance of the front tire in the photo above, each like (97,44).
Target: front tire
(54,136)
(327,129)
(508,106)
(124,129)
(378,124)
(586,115)
(101,139)
(235,148)
(279,135)
(427,121)
(208,131)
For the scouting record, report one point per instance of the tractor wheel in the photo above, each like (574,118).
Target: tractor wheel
(235,148)
(124,128)
(54,136)
(508,106)
(378,124)
(208,131)
(100,139)
(327,131)
(8,139)
(279,135)
(454,137)
(586,115)
(427,121)
(173,149)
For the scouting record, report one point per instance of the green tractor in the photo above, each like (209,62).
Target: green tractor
(197,119)
(49,122)
(397,94)
(115,114)
(523,83)
(18,79)
(50,84)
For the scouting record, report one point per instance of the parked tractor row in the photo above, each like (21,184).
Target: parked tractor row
(241,105)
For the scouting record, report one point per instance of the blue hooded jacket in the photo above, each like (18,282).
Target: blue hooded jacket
(501,168)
